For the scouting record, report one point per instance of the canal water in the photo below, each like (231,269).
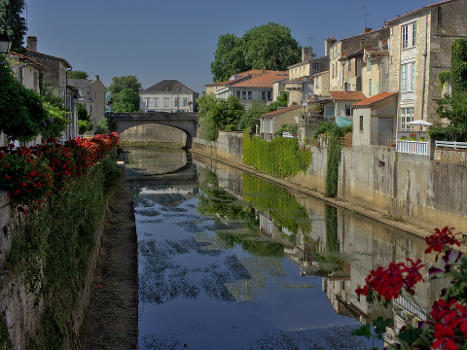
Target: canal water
(230,261)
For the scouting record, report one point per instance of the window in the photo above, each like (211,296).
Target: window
(238,94)
(156,101)
(348,111)
(176,102)
(166,102)
(185,102)
(146,102)
(243,95)
(408,77)
(406,117)
(370,83)
(349,66)
(250,95)
(409,35)
(316,65)
(361,123)
(269,96)
(378,88)
(263,95)
(90,108)
(317,83)
(368,65)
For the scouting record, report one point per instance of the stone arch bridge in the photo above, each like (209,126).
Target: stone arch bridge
(186,122)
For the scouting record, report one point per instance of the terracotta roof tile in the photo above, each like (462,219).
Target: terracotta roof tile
(280,111)
(347,95)
(23,57)
(368,102)
(263,80)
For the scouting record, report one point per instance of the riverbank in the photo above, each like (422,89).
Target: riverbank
(367,211)
(111,320)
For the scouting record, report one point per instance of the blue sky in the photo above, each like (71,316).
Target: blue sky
(156,40)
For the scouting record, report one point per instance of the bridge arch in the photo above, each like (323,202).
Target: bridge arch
(186,122)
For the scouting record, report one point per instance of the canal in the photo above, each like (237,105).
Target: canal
(230,261)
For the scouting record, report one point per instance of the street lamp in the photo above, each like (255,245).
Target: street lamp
(5,44)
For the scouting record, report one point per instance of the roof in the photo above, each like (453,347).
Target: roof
(281,111)
(351,55)
(251,74)
(79,83)
(29,59)
(417,11)
(347,95)
(300,64)
(370,101)
(323,72)
(218,83)
(169,86)
(264,80)
(30,52)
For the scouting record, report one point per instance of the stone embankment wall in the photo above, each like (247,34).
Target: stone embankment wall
(404,187)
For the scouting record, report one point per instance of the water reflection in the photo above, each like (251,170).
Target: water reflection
(227,260)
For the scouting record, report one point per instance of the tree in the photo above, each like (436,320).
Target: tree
(281,101)
(57,121)
(126,101)
(228,58)
(12,23)
(216,114)
(84,119)
(251,117)
(77,74)
(125,82)
(270,45)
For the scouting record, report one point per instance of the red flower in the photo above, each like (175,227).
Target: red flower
(439,239)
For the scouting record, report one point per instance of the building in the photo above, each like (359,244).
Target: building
(271,122)
(168,96)
(419,50)
(92,95)
(55,79)
(249,86)
(26,70)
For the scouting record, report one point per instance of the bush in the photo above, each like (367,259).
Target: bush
(84,125)
(281,157)
(103,126)
(450,133)
(332,173)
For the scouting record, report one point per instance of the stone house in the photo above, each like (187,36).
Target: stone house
(249,86)
(374,121)
(168,96)
(345,58)
(26,70)
(55,78)
(271,122)
(419,50)
(92,95)
(375,71)
(321,84)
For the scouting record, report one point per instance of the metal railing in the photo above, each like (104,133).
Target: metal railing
(413,147)
(451,144)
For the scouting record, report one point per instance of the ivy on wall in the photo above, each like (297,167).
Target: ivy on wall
(280,157)
(332,173)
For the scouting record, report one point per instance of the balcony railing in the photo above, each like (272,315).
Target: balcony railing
(413,147)
(449,144)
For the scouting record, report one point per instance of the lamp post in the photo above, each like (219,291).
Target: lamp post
(5,44)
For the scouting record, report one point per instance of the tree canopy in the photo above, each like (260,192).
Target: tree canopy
(270,45)
(216,114)
(77,74)
(125,94)
(12,23)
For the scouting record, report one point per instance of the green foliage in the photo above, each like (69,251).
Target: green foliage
(125,101)
(84,119)
(450,133)
(459,66)
(215,114)
(270,45)
(332,238)
(22,115)
(228,58)
(77,74)
(53,249)
(444,77)
(332,173)
(125,82)
(281,157)
(364,331)
(331,129)
(250,118)
(57,121)
(455,109)
(12,23)
(278,202)
(84,125)
(103,126)
(287,128)
(252,243)
(280,102)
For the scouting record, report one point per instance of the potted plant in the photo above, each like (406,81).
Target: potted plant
(413,137)
(403,138)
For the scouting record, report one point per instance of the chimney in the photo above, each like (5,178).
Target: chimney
(327,43)
(367,30)
(31,43)
(97,77)
(307,53)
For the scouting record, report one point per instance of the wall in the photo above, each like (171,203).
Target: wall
(171,96)
(321,87)
(154,133)
(98,109)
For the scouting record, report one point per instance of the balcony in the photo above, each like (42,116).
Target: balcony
(419,148)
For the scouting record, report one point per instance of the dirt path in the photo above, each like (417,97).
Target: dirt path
(111,320)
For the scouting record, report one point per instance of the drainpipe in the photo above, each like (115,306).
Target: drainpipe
(425,54)
(65,97)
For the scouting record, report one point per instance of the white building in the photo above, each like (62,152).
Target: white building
(168,96)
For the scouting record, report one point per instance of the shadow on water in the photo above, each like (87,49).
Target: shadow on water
(229,261)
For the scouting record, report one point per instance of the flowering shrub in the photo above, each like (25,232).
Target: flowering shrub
(29,175)
(446,324)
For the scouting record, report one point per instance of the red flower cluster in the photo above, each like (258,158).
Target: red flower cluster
(450,322)
(388,282)
(439,238)
(31,174)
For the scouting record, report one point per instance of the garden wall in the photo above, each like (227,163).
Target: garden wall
(47,262)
